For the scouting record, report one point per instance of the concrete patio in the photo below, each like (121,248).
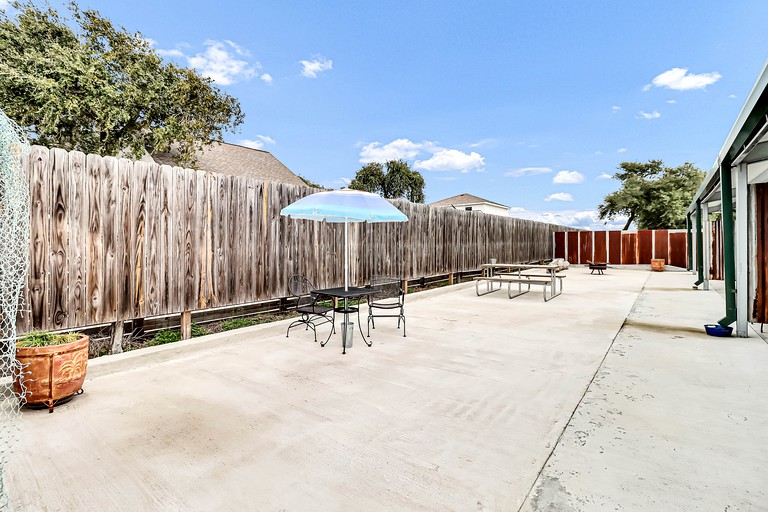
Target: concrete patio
(609,397)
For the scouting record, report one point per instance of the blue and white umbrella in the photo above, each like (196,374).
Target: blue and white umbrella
(345,205)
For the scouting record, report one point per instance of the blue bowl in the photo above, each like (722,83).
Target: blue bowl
(718,330)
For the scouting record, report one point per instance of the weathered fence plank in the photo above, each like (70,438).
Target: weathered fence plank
(110,192)
(115,240)
(151,246)
(40,210)
(165,236)
(59,284)
(191,277)
(126,268)
(179,244)
(78,229)
(94,254)
(138,233)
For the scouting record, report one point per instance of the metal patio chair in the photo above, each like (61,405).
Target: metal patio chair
(388,297)
(312,312)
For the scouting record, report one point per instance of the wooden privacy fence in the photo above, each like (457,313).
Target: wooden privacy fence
(113,239)
(623,247)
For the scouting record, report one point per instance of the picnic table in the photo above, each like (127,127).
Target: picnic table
(352,292)
(520,274)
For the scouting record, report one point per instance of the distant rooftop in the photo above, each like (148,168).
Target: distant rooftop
(466,199)
(234,160)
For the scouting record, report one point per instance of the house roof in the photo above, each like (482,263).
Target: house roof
(235,160)
(466,199)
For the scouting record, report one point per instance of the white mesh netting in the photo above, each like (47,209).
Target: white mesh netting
(14,261)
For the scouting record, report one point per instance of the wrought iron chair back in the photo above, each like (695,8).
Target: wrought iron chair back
(312,313)
(301,287)
(387,295)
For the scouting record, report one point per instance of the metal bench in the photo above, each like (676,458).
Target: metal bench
(544,281)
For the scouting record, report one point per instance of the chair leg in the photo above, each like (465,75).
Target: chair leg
(360,326)
(333,330)
(303,320)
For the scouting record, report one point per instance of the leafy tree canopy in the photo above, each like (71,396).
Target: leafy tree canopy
(652,195)
(395,179)
(99,88)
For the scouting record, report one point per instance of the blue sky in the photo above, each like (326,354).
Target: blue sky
(530,104)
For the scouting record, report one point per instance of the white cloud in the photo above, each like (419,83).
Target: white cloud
(671,102)
(219,64)
(605,176)
(310,68)
(566,177)
(528,171)
(433,157)
(587,219)
(679,79)
(220,61)
(258,142)
(451,160)
(621,150)
(732,96)
(170,53)
(398,149)
(615,109)
(484,142)
(266,78)
(598,152)
(646,115)
(238,49)
(559,196)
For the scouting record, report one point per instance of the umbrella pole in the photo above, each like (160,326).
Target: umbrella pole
(345,333)
(346,255)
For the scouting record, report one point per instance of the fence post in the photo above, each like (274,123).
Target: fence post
(118,328)
(186,325)
(450,278)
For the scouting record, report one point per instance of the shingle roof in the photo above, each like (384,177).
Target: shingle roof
(465,199)
(237,160)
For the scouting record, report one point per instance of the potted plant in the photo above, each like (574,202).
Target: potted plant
(53,366)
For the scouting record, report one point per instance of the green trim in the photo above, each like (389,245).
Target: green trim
(689,232)
(699,245)
(752,123)
(728,244)
(747,126)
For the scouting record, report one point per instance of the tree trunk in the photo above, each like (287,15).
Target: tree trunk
(629,221)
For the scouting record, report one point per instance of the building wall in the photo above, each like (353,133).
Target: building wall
(486,208)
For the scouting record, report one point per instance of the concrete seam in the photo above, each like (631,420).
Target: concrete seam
(586,389)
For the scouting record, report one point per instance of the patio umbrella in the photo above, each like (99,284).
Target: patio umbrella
(345,205)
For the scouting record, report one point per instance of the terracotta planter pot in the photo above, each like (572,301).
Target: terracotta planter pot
(53,372)
(657,265)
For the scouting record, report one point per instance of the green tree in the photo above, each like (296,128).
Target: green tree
(652,195)
(99,88)
(395,179)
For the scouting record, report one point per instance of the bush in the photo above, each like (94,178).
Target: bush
(163,337)
(198,330)
(237,323)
